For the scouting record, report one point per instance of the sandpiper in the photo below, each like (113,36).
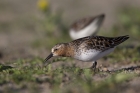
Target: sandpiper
(87,49)
(86,27)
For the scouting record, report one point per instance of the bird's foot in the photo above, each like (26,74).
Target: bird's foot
(93,67)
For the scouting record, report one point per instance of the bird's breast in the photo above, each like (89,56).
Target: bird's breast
(91,55)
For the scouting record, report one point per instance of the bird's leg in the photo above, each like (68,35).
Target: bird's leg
(94,65)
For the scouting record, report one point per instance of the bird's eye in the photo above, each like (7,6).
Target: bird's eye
(55,49)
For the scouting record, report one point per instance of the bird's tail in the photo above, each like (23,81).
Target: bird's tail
(120,39)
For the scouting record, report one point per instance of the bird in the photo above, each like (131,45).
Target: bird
(86,26)
(87,49)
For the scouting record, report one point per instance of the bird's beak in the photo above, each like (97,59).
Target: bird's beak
(51,55)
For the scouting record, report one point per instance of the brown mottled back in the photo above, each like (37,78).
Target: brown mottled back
(98,42)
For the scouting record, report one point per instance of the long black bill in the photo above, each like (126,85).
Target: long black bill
(51,55)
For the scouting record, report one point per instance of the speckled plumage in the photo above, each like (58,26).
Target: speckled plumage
(89,48)
(98,42)
(95,44)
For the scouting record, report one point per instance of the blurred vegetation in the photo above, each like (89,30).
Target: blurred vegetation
(64,79)
(55,30)
(128,23)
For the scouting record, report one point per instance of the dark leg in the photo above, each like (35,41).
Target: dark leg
(94,66)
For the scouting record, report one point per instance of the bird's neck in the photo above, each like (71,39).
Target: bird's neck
(68,51)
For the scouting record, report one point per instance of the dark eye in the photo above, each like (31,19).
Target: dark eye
(55,49)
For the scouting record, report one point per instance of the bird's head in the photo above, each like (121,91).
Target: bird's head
(57,50)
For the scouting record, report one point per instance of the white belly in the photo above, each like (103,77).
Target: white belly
(87,31)
(92,55)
